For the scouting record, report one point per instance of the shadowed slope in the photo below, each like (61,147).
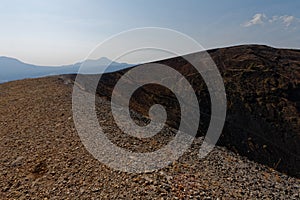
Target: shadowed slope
(262,86)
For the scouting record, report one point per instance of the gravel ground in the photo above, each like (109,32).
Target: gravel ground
(42,157)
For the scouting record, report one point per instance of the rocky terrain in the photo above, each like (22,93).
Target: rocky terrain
(263,92)
(42,157)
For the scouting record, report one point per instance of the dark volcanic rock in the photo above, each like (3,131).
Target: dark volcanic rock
(263,93)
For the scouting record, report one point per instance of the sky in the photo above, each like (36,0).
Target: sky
(60,32)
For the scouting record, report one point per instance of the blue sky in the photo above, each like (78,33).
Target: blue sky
(57,32)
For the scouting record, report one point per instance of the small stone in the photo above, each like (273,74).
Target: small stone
(96,189)
(81,190)
(18,161)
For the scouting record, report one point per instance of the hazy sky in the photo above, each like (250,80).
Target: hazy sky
(55,32)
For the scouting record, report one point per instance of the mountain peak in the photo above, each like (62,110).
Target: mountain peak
(104,59)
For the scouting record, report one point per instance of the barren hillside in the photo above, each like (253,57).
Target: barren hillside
(42,157)
(263,92)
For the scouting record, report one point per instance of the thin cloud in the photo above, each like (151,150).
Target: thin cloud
(274,19)
(287,20)
(258,18)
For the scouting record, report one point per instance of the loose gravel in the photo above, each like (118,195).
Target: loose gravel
(42,157)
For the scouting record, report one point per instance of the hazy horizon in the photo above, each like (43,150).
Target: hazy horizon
(154,59)
(52,33)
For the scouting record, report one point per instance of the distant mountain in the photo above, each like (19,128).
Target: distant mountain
(13,69)
(98,66)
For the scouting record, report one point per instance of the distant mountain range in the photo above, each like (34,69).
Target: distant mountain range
(13,69)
